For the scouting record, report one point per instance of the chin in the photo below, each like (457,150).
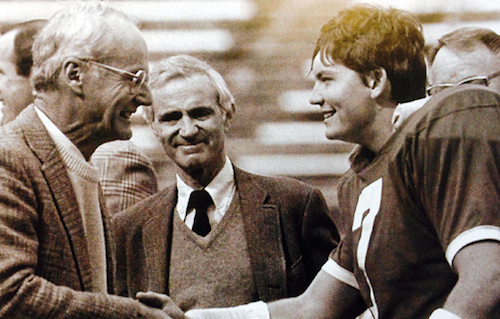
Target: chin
(123,134)
(332,136)
(191,163)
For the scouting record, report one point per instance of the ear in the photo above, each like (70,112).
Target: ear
(379,83)
(155,129)
(148,113)
(227,116)
(72,74)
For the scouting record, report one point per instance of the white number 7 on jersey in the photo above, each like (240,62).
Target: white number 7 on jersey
(369,203)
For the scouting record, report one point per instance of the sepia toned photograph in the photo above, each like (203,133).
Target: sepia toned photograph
(260,159)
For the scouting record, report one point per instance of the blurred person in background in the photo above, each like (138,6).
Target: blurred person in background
(126,175)
(15,67)
(89,70)
(219,236)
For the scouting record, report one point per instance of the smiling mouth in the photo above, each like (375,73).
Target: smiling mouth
(126,114)
(189,144)
(190,148)
(327,115)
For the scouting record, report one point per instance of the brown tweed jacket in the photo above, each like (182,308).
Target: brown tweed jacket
(288,230)
(44,263)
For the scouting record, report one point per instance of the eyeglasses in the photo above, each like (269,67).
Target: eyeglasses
(137,80)
(481,80)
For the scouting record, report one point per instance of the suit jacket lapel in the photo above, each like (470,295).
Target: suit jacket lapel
(157,236)
(263,235)
(108,239)
(59,183)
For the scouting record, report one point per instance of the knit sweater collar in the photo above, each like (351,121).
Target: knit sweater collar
(71,155)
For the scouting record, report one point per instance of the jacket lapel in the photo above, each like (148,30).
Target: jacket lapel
(157,236)
(57,178)
(263,235)
(108,239)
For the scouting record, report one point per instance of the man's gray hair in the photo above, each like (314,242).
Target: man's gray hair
(78,30)
(466,39)
(183,66)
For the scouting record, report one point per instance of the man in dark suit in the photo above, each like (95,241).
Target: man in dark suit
(89,67)
(220,236)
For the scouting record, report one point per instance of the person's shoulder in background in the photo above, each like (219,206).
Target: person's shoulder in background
(125,174)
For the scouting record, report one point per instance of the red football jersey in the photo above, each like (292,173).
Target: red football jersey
(433,189)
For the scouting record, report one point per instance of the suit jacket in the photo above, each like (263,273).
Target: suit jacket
(126,176)
(44,260)
(288,230)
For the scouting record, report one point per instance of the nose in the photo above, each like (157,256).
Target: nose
(144,97)
(187,127)
(316,97)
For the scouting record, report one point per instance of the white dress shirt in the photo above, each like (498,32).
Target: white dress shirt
(222,189)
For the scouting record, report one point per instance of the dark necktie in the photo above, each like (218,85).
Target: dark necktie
(200,200)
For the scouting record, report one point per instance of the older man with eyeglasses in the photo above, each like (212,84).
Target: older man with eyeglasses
(468,55)
(89,72)
(465,56)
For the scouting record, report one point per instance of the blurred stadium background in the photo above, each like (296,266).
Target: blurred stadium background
(263,49)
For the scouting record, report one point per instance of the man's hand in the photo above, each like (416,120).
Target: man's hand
(160,301)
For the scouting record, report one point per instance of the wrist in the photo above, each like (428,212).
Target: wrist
(441,313)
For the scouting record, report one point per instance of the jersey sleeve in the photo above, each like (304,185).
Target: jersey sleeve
(454,170)
(339,264)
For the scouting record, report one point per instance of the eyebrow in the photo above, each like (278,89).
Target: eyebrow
(325,73)
(319,75)
(169,116)
(200,107)
(193,112)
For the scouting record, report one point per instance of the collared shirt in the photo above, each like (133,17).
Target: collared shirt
(222,189)
(404,110)
(84,178)
(360,158)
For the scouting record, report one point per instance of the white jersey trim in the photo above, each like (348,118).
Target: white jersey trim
(342,274)
(479,233)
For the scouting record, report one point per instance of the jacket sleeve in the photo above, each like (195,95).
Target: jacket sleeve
(25,203)
(319,233)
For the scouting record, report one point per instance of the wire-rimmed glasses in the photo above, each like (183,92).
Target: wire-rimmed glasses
(137,80)
(481,80)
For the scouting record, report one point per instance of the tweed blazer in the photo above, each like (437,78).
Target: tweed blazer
(44,260)
(126,176)
(288,228)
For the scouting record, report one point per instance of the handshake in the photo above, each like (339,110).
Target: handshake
(161,301)
(255,310)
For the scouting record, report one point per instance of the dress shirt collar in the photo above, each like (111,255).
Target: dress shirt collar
(220,189)
(57,135)
(72,156)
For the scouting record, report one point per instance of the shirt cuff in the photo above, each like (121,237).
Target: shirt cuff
(254,310)
(342,274)
(441,313)
(473,235)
